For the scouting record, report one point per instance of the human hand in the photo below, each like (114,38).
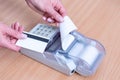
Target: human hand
(9,36)
(52,10)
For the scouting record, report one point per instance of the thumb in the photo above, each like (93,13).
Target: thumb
(15,33)
(11,46)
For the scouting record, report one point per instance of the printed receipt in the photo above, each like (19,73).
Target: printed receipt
(65,28)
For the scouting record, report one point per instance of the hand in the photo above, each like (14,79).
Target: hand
(52,10)
(9,36)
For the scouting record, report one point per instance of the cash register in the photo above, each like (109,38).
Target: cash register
(63,48)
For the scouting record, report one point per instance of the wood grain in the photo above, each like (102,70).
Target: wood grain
(97,19)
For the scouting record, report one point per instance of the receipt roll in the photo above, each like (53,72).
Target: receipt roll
(87,54)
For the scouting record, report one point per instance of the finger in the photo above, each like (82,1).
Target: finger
(61,10)
(16,26)
(55,14)
(20,29)
(46,15)
(12,26)
(15,34)
(50,20)
(44,18)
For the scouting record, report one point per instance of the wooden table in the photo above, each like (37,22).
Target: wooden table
(97,19)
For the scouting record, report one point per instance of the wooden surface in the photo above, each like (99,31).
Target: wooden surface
(97,19)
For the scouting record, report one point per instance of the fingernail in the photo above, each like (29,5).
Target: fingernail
(49,20)
(44,18)
(24,36)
